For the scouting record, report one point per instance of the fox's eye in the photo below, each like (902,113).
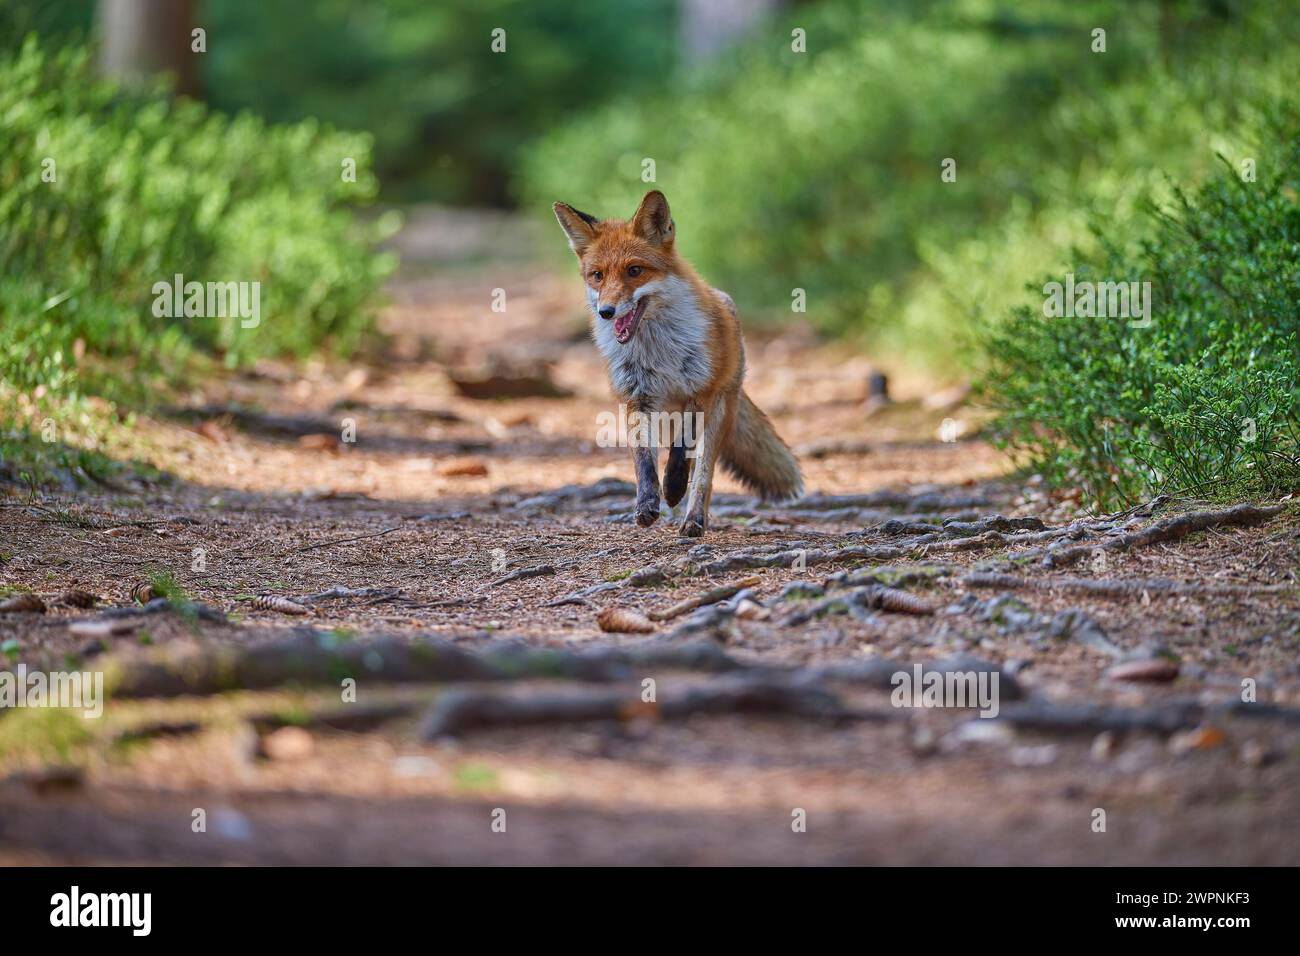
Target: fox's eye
(597,276)
(634,271)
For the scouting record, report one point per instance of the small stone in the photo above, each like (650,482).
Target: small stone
(1043,756)
(983,731)
(415,766)
(923,741)
(1256,754)
(288,743)
(646,577)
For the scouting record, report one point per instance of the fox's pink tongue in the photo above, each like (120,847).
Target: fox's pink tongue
(625,325)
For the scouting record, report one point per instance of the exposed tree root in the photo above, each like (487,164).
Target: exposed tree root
(1109,587)
(857,601)
(1167,529)
(954,537)
(1051,717)
(880,674)
(1165,718)
(162,606)
(748,559)
(922,502)
(571,495)
(350,717)
(465,709)
(999,523)
(1010,616)
(158,729)
(316,658)
(988,540)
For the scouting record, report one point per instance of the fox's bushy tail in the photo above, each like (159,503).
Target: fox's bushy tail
(758,457)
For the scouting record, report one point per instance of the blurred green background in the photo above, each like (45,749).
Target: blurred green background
(814,167)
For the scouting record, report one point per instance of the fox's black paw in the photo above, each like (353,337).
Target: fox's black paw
(647,513)
(692,528)
(675,487)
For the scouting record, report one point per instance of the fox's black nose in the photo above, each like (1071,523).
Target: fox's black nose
(606,311)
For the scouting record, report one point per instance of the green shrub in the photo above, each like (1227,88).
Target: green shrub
(1204,399)
(821,170)
(144,188)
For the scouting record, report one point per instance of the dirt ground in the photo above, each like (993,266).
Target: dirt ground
(420,472)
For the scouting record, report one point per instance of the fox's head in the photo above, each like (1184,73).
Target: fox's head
(624,263)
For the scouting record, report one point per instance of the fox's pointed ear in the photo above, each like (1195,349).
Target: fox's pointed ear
(578,226)
(652,221)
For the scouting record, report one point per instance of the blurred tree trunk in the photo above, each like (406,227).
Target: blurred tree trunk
(143,37)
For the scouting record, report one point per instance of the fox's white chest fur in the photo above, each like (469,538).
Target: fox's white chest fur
(668,358)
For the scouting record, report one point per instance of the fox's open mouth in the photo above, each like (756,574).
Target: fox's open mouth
(625,325)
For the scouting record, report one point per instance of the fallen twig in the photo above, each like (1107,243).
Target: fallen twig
(580,596)
(331,543)
(708,597)
(533,572)
(379,595)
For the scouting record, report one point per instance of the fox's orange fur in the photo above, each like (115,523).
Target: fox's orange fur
(672,343)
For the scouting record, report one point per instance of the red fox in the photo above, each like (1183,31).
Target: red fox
(672,344)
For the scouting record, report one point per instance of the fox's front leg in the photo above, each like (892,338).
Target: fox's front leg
(645,457)
(717,416)
(676,473)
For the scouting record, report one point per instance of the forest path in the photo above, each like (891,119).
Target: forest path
(454,478)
